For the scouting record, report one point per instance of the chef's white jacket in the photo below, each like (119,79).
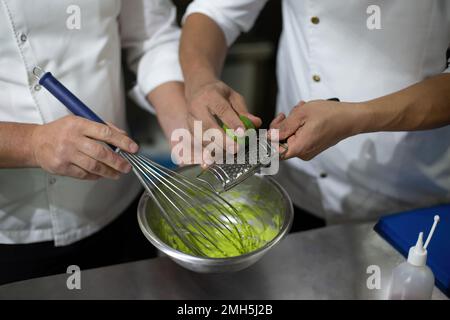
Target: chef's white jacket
(332,48)
(35,205)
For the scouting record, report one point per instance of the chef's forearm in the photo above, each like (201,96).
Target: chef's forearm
(170,105)
(202,51)
(422,106)
(16,150)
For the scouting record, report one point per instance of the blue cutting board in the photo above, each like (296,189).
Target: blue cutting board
(402,229)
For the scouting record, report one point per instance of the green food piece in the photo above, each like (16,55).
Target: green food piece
(248,125)
(247,122)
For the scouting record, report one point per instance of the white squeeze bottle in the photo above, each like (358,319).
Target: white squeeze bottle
(413,280)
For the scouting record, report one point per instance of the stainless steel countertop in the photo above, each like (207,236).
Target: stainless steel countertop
(327,263)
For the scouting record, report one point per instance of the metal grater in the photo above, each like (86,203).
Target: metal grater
(222,177)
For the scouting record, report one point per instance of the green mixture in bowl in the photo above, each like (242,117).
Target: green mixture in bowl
(259,222)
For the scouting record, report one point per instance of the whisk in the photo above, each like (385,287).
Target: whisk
(204,221)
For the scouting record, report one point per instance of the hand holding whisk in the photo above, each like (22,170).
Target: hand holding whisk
(203,220)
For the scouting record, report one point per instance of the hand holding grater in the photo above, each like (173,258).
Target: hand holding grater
(222,177)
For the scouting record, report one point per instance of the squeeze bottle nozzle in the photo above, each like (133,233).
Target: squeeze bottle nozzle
(417,255)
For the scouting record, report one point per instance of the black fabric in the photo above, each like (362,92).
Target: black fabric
(304,220)
(120,241)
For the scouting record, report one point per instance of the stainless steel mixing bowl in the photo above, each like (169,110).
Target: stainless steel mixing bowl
(261,192)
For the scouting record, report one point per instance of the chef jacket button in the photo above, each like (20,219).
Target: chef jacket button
(315,20)
(37,87)
(323,175)
(23,37)
(316,78)
(52,180)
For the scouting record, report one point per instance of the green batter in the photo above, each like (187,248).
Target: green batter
(248,234)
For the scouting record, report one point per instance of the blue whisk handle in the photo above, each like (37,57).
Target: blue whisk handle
(67,98)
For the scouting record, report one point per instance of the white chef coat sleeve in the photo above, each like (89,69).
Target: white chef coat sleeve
(150,37)
(232,16)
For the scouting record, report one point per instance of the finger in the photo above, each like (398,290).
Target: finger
(109,135)
(102,153)
(294,146)
(289,126)
(206,116)
(239,105)
(116,128)
(256,120)
(222,140)
(76,172)
(295,109)
(225,112)
(285,129)
(298,147)
(277,120)
(95,167)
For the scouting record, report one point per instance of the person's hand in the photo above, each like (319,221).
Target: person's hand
(315,126)
(216,99)
(71,146)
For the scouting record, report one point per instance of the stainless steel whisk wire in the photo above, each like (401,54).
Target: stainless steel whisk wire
(152,171)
